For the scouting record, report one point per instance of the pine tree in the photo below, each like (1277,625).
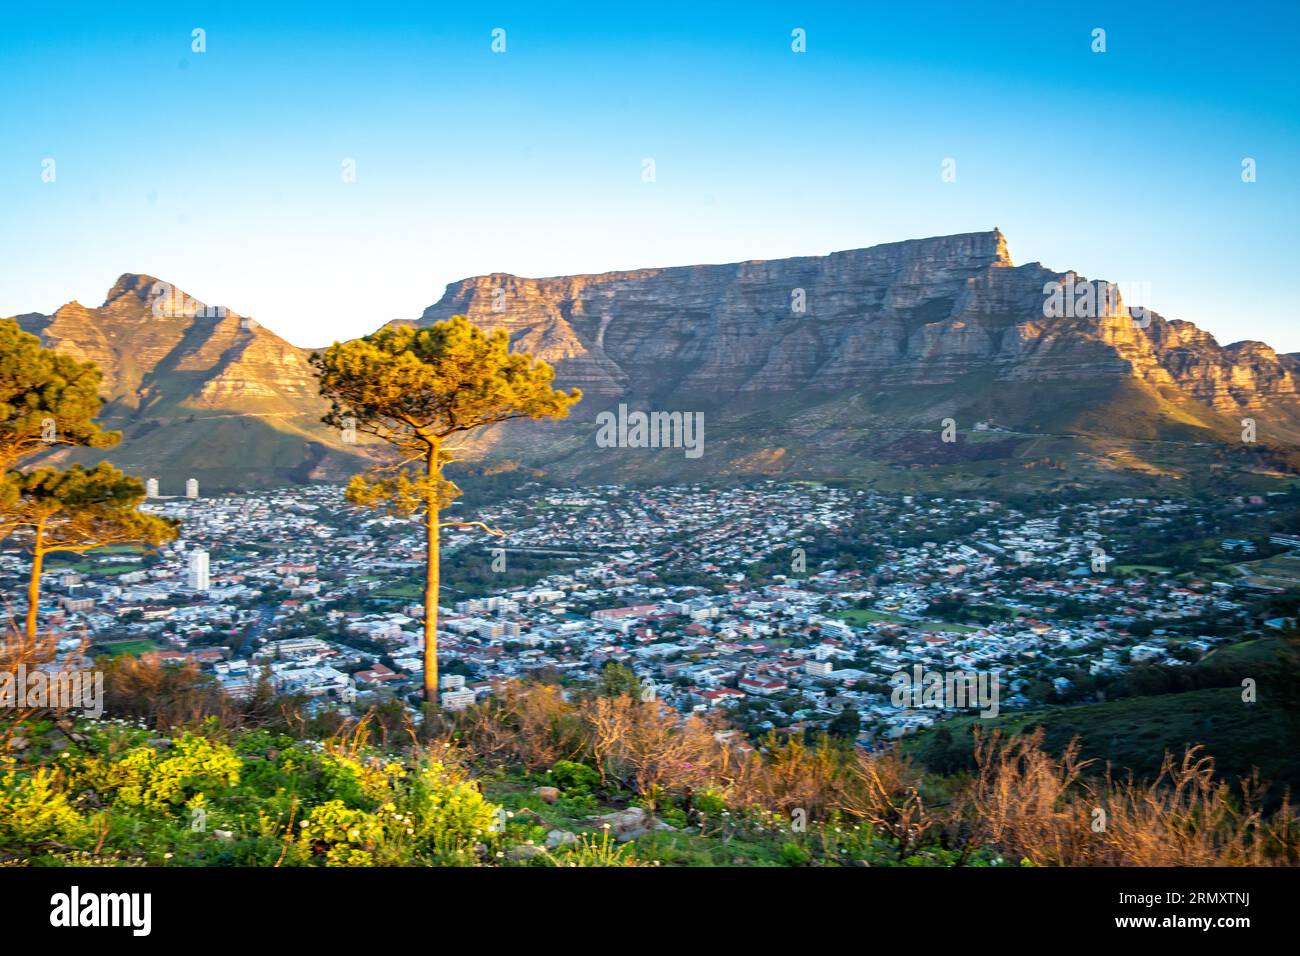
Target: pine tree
(78,510)
(46,398)
(414,389)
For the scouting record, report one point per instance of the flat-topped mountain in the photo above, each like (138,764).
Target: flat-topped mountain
(845,365)
(919,312)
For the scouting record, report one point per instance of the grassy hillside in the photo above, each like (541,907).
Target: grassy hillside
(1135,733)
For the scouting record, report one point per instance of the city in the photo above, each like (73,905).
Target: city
(789,606)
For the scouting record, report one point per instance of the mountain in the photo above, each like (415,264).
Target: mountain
(838,366)
(891,341)
(196,390)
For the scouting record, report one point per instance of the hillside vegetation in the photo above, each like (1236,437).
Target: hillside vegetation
(1170,709)
(186,777)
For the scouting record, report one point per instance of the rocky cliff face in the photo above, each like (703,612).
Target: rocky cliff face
(846,361)
(927,311)
(161,350)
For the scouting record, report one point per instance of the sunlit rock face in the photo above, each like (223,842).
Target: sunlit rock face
(197,390)
(922,311)
(845,364)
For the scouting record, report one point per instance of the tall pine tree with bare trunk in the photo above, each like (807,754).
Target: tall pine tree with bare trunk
(79,510)
(414,389)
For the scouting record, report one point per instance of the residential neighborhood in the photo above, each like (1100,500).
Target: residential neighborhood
(789,606)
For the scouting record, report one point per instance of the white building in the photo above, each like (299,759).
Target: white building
(197,578)
(151,488)
(192,488)
(458,699)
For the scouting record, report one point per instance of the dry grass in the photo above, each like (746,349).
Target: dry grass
(528,724)
(1047,810)
(18,650)
(1022,801)
(648,748)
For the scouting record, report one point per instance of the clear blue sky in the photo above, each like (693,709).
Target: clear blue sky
(221,171)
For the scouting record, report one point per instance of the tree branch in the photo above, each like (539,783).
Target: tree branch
(472,524)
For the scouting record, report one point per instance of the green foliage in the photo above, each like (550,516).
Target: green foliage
(450,377)
(846,724)
(413,388)
(346,836)
(401,495)
(144,777)
(39,386)
(709,802)
(385,814)
(618,680)
(265,801)
(447,810)
(670,813)
(574,777)
(358,784)
(49,399)
(792,854)
(34,807)
(591,850)
(79,509)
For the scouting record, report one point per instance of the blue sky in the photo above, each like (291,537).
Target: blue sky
(221,171)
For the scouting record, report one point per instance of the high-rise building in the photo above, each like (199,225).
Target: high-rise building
(197,578)
(151,488)
(192,488)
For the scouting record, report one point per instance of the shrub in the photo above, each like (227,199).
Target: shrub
(344,836)
(144,777)
(34,807)
(447,811)
(356,783)
(792,854)
(591,850)
(708,802)
(574,777)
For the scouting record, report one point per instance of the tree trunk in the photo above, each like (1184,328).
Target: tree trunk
(34,583)
(431,588)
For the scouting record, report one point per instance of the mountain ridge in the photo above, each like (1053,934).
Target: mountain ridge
(841,365)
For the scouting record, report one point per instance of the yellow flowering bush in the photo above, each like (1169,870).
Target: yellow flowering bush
(309,803)
(34,806)
(433,812)
(447,809)
(146,778)
(352,781)
(346,836)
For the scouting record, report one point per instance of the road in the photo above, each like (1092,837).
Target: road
(265,615)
